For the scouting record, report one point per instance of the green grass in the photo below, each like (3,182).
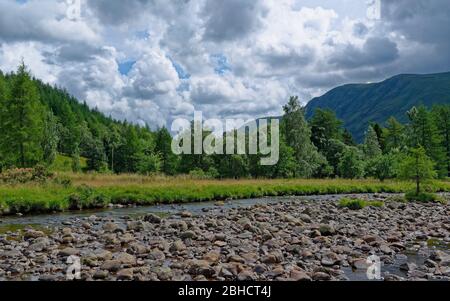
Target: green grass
(357,204)
(97,191)
(423,197)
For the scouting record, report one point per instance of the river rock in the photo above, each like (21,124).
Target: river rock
(69,252)
(152,218)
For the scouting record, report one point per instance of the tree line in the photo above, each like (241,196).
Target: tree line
(39,121)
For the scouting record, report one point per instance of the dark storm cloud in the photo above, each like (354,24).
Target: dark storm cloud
(232,19)
(376,51)
(426,21)
(117,12)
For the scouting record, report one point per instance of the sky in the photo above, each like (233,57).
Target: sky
(153,61)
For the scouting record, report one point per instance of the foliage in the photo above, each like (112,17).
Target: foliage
(351,166)
(25,175)
(423,197)
(417,166)
(21,122)
(381,167)
(357,204)
(371,145)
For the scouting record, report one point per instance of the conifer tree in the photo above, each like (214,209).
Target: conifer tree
(21,121)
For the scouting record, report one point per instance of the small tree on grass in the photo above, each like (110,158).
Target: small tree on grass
(417,166)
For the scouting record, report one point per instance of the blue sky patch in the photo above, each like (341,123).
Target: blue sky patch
(125,67)
(221,63)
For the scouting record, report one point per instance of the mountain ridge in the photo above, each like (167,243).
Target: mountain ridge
(359,104)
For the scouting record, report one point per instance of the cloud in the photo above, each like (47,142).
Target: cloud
(233,58)
(232,19)
(375,51)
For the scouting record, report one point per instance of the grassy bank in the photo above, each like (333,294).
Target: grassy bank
(97,191)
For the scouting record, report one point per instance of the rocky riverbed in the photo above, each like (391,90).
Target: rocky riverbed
(293,240)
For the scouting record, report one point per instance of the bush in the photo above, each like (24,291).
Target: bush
(356,204)
(26,175)
(423,197)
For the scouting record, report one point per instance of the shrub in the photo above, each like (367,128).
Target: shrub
(25,175)
(357,204)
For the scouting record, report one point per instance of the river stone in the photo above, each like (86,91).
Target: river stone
(177,246)
(246,276)
(245,223)
(152,218)
(157,254)
(137,248)
(100,275)
(297,275)
(200,267)
(111,265)
(126,258)
(212,257)
(110,227)
(327,230)
(125,274)
(10,254)
(69,252)
(330,259)
(186,214)
(165,274)
(321,276)
(386,250)
(360,264)
(32,234)
(101,254)
(188,235)
(126,238)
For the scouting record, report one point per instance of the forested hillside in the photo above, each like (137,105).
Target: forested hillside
(360,104)
(39,121)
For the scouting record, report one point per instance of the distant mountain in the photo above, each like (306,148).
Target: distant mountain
(360,104)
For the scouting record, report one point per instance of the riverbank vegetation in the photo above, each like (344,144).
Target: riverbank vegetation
(75,192)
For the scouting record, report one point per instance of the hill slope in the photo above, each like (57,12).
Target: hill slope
(360,104)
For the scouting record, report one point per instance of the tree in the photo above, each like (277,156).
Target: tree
(76,164)
(169,161)
(417,166)
(380,135)
(21,122)
(149,164)
(324,127)
(381,167)
(50,138)
(442,117)
(371,145)
(394,136)
(347,138)
(286,166)
(298,136)
(113,140)
(351,165)
(96,157)
(128,154)
(423,132)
